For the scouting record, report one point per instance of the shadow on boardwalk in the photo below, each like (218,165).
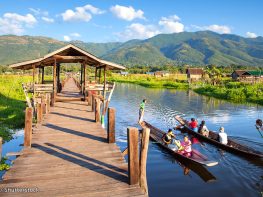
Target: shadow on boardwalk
(78,133)
(76,117)
(85,161)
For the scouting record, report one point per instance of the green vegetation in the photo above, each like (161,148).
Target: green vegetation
(3,164)
(174,82)
(12,104)
(234,91)
(194,48)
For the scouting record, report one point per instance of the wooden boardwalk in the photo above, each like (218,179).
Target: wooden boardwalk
(70,157)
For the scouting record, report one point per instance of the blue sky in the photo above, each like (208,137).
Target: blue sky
(106,20)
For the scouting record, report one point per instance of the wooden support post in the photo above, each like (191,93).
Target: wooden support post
(143,159)
(39,113)
(92,103)
(100,76)
(43,75)
(52,103)
(133,155)
(97,110)
(48,103)
(28,127)
(96,70)
(1,142)
(43,105)
(111,125)
(55,80)
(84,79)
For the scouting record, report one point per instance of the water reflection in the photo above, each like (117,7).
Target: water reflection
(235,176)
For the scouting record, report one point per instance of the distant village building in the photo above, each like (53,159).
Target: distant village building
(244,75)
(124,73)
(194,74)
(161,74)
(149,73)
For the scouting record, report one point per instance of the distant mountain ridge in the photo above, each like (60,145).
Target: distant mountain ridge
(195,48)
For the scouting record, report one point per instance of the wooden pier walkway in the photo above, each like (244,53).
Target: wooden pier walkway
(70,156)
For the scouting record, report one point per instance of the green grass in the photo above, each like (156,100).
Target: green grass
(12,104)
(150,81)
(234,91)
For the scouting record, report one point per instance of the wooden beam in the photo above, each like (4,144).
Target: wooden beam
(111,125)
(100,75)
(143,159)
(96,70)
(133,155)
(61,57)
(28,127)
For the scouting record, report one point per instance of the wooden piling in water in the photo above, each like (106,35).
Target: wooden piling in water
(28,127)
(111,125)
(39,113)
(143,159)
(133,155)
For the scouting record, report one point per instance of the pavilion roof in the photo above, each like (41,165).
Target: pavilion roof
(67,54)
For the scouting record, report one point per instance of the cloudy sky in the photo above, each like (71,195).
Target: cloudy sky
(121,20)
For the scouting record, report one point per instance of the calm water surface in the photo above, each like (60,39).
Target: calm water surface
(233,176)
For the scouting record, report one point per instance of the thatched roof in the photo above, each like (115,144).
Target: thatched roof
(67,54)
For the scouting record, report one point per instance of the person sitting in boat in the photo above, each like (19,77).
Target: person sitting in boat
(203,129)
(259,125)
(187,147)
(193,124)
(167,138)
(175,145)
(222,136)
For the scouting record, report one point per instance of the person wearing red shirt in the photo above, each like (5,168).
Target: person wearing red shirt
(193,124)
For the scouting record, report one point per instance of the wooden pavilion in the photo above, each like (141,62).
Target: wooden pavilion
(67,54)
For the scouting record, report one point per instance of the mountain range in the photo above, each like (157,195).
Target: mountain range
(194,48)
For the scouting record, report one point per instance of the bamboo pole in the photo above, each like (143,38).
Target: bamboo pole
(133,155)
(54,80)
(96,70)
(84,80)
(43,105)
(92,103)
(143,159)
(28,127)
(111,125)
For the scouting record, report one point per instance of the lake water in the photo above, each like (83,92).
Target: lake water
(233,176)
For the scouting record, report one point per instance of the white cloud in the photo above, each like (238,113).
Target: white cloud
(171,24)
(38,12)
(47,19)
(126,13)
(93,9)
(12,23)
(251,35)
(81,13)
(75,34)
(138,31)
(67,38)
(223,29)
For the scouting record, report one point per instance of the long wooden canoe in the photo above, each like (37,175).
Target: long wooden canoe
(196,157)
(213,138)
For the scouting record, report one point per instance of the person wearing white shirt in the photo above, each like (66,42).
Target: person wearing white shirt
(222,136)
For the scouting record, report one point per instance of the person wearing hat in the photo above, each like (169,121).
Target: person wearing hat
(222,136)
(167,138)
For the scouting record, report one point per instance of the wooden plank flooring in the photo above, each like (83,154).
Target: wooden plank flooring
(70,157)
